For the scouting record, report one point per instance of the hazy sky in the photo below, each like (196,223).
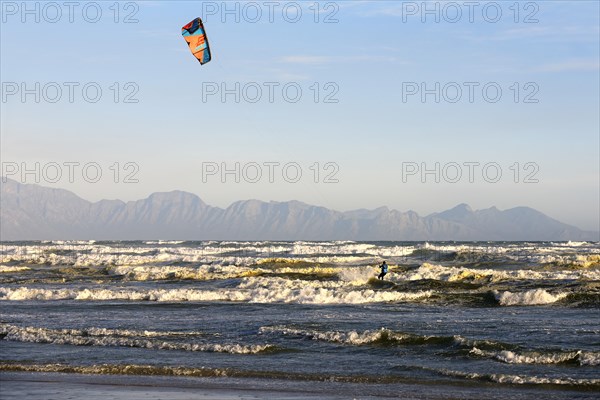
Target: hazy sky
(497,102)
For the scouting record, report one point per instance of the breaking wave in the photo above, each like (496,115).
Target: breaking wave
(528,298)
(381,337)
(12,268)
(253,290)
(453,274)
(540,357)
(90,253)
(122,338)
(523,380)
(483,348)
(153,370)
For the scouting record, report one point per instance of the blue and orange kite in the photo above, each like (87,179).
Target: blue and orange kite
(195,35)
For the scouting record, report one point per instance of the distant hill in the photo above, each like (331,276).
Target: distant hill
(33,212)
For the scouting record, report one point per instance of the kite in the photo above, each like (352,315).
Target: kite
(195,35)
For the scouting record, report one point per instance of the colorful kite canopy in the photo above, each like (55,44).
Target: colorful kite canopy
(195,35)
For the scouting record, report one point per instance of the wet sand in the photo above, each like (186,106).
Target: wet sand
(62,387)
(56,386)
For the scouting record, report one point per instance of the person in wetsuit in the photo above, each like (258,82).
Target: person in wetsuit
(384,270)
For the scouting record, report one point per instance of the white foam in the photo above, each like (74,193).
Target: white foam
(589,358)
(164,242)
(89,253)
(537,357)
(452,274)
(528,298)
(117,255)
(72,242)
(522,380)
(94,331)
(539,380)
(571,244)
(565,260)
(511,357)
(357,275)
(270,290)
(352,337)
(12,268)
(104,337)
(254,290)
(350,248)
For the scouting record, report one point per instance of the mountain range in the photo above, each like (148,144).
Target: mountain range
(34,212)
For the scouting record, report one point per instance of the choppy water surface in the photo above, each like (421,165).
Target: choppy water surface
(517,317)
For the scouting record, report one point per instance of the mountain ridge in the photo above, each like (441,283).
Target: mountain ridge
(34,212)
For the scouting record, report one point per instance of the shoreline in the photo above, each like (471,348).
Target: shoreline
(43,385)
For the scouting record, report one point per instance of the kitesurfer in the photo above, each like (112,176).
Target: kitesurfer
(384,270)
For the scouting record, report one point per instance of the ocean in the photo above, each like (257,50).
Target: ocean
(450,320)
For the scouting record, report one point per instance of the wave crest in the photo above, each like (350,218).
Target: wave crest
(528,298)
(121,338)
